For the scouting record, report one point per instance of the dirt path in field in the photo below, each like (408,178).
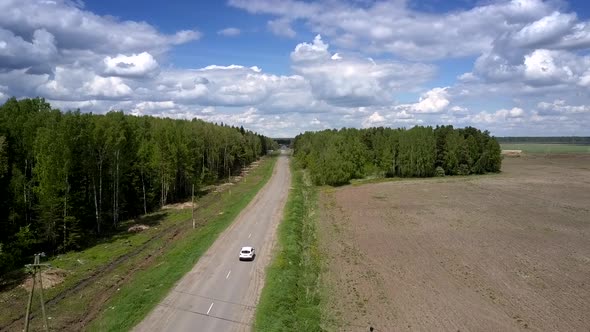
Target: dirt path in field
(493,253)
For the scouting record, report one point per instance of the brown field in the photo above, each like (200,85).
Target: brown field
(485,253)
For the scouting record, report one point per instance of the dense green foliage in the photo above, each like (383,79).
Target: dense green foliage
(334,157)
(284,141)
(290,299)
(67,178)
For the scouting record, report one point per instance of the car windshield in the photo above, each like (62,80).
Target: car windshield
(245,251)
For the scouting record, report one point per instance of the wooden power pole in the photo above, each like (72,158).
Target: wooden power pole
(36,268)
(193,205)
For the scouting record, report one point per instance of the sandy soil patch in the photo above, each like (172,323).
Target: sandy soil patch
(138,228)
(50,278)
(511,153)
(489,253)
(178,206)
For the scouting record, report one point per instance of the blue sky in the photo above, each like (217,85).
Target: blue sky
(514,67)
(256,45)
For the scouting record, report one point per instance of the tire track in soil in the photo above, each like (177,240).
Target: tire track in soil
(82,284)
(97,305)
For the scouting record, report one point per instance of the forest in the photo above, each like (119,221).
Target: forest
(69,178)
(334,157)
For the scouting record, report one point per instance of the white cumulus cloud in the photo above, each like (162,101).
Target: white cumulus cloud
(502,115)
(560,107)
(135,65)
(281,27)
(540,68)
(353,82)
(433,101)
(229,32)
(373,120)
(315,51)
(109,87)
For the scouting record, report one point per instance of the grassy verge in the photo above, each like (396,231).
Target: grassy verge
(290,299)
(547,148)
(87,265)
(133,301)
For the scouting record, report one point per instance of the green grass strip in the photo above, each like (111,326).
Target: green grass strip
(290,299)
(137,298)
(547,148)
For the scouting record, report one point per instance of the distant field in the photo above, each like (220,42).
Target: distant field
(546,148)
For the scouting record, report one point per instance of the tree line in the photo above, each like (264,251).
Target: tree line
(334,157)
(66,178)
(582,140)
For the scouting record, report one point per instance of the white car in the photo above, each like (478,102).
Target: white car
(247,253)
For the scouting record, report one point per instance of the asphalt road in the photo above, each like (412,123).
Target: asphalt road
(220,292)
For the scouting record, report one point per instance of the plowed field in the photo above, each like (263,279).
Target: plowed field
(486,253)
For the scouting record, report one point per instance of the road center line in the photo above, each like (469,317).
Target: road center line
(227,276)
(250,235)
(211,306)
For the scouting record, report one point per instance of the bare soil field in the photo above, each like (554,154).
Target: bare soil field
(503,252)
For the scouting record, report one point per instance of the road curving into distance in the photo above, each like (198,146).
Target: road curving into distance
(220,292)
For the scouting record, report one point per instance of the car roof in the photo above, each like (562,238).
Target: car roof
(247,248)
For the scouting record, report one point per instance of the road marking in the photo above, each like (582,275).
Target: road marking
(211,306)
(249,235)
(227,276)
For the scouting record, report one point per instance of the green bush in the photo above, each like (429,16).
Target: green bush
(463,170)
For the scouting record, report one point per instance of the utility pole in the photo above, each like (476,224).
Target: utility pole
(36,267)
(193,205)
